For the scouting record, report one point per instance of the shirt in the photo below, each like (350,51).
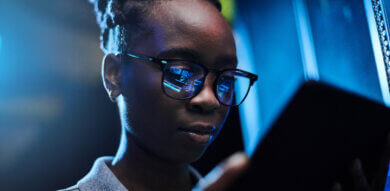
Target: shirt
(100,177)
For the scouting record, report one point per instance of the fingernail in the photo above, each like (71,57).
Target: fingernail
(237,159)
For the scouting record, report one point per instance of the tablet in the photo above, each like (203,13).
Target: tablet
(315,139)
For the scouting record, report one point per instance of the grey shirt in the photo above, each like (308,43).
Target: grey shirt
(100,177)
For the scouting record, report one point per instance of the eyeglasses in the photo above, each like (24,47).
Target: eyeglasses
(183,80)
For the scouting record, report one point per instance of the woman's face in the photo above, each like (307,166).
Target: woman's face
(189,30)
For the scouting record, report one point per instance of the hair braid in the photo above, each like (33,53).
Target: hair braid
(112,14)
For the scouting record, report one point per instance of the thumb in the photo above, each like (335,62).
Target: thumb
(224,174)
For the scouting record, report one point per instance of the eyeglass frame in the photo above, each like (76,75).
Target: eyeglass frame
(164,62)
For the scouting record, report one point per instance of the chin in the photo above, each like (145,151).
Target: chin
(190,155)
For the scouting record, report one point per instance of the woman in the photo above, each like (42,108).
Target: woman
(169,65)
(171,68)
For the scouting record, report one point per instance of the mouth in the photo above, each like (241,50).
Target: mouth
(199,134)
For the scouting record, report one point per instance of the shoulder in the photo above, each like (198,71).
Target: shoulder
(72,188)
(99,177)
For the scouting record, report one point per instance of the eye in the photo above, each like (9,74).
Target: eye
(181,75)
(182,79)
(228,79)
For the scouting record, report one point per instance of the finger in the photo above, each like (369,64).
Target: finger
(337,187)
(359,179)
(224,174)
(379,181)
(232,168)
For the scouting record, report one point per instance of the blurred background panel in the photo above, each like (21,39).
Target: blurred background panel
(289,42)
(268,45)
(55,118)
(293,41)
(339,43)
(343,46)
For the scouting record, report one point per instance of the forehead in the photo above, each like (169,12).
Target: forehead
(190,24)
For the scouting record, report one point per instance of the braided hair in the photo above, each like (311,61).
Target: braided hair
(112,15)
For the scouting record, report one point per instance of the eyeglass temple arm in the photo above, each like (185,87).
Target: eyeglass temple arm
(252,77)
(148,59)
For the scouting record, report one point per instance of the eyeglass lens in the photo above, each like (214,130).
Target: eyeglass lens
(232,87)
(184,80)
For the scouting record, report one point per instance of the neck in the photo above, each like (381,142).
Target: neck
(137,169)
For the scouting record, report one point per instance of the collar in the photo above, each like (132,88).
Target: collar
(102,178)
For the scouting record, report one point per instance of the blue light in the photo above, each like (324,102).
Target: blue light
(1,61)
(172,86)
(377,53)
(250,109)
(176,71)
(223,87)
(306,40)
(197,82)
(387,187)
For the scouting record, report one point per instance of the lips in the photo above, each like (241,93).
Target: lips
(199,134)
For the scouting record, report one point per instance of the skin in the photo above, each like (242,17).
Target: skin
(154,154)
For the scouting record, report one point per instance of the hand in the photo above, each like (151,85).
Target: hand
(224,174)
(360,181)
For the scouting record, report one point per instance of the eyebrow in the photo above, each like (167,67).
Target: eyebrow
(228,59)
(183,53)
(194,56)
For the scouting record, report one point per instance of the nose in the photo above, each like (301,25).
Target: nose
(205,101)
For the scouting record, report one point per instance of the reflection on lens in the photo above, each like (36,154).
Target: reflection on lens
(172,86)
(232,86)
(182,80)
(225,89)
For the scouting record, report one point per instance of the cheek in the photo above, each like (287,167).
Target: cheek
(140,87)
(148,107)
(151,115)
(223,114)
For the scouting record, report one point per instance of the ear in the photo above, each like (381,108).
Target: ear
(112,75)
